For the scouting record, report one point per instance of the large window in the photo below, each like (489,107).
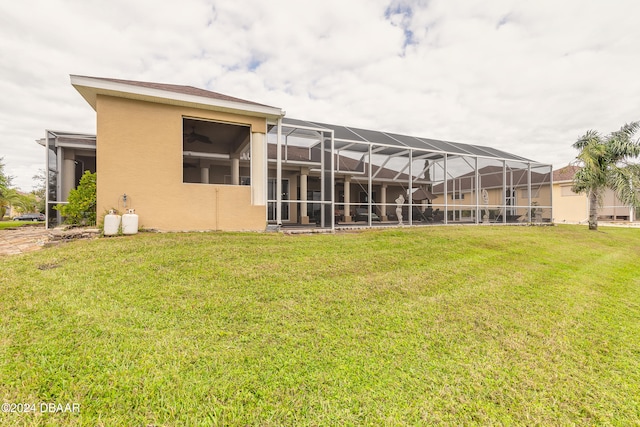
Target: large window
(215,152)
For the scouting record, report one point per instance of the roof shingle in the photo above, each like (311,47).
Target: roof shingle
(565,174)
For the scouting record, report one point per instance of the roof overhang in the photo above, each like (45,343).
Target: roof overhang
(69,139)
(91,87)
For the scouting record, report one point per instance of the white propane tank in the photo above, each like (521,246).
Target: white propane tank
(130,222)
(111,223)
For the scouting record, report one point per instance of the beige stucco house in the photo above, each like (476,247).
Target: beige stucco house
(190,159)
(573,208)
(504,193)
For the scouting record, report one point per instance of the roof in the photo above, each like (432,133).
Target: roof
(565,174)
(68,138)
(345,136)
(90,87)
(187,90)
(355,139)
(491,177)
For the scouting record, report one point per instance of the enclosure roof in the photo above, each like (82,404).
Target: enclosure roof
(345,136)
(74,137)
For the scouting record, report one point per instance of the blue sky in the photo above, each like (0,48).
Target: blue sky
(524,77)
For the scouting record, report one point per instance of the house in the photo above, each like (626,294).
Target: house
(504,193)
(573,208)
(191,159)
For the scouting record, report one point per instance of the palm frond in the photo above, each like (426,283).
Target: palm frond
(625,182)
(587,179)
(9,196)
(627,131)
(590,137)
(621,144)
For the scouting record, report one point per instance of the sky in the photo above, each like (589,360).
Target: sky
(526,77)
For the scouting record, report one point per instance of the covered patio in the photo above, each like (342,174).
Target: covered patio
(68,156)
(327,176)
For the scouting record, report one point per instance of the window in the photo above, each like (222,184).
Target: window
(566,191)
(214,152)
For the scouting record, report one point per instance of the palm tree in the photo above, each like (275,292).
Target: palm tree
(605,162)
(9,197)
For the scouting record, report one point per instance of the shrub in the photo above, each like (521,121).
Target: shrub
(81,209)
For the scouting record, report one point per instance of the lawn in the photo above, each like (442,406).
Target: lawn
(431,326)
(13,224)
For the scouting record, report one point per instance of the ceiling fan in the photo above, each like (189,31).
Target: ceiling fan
(196,137)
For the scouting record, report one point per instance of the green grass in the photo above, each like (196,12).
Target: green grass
(13,224)
(433,326)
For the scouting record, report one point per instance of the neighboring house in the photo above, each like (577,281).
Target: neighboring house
(502,192)
(191,159)
(573,208)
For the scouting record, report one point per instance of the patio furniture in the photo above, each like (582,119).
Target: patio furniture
(362,214)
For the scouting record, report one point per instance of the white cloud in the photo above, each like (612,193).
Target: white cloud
(524,77)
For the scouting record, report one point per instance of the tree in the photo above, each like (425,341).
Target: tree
(81,208)
(7,194)
(25,203)
(9,197)
(40,189)
(606,162)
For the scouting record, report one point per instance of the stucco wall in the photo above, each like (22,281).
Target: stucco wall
(139,152)
(568,206)
(540,196)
